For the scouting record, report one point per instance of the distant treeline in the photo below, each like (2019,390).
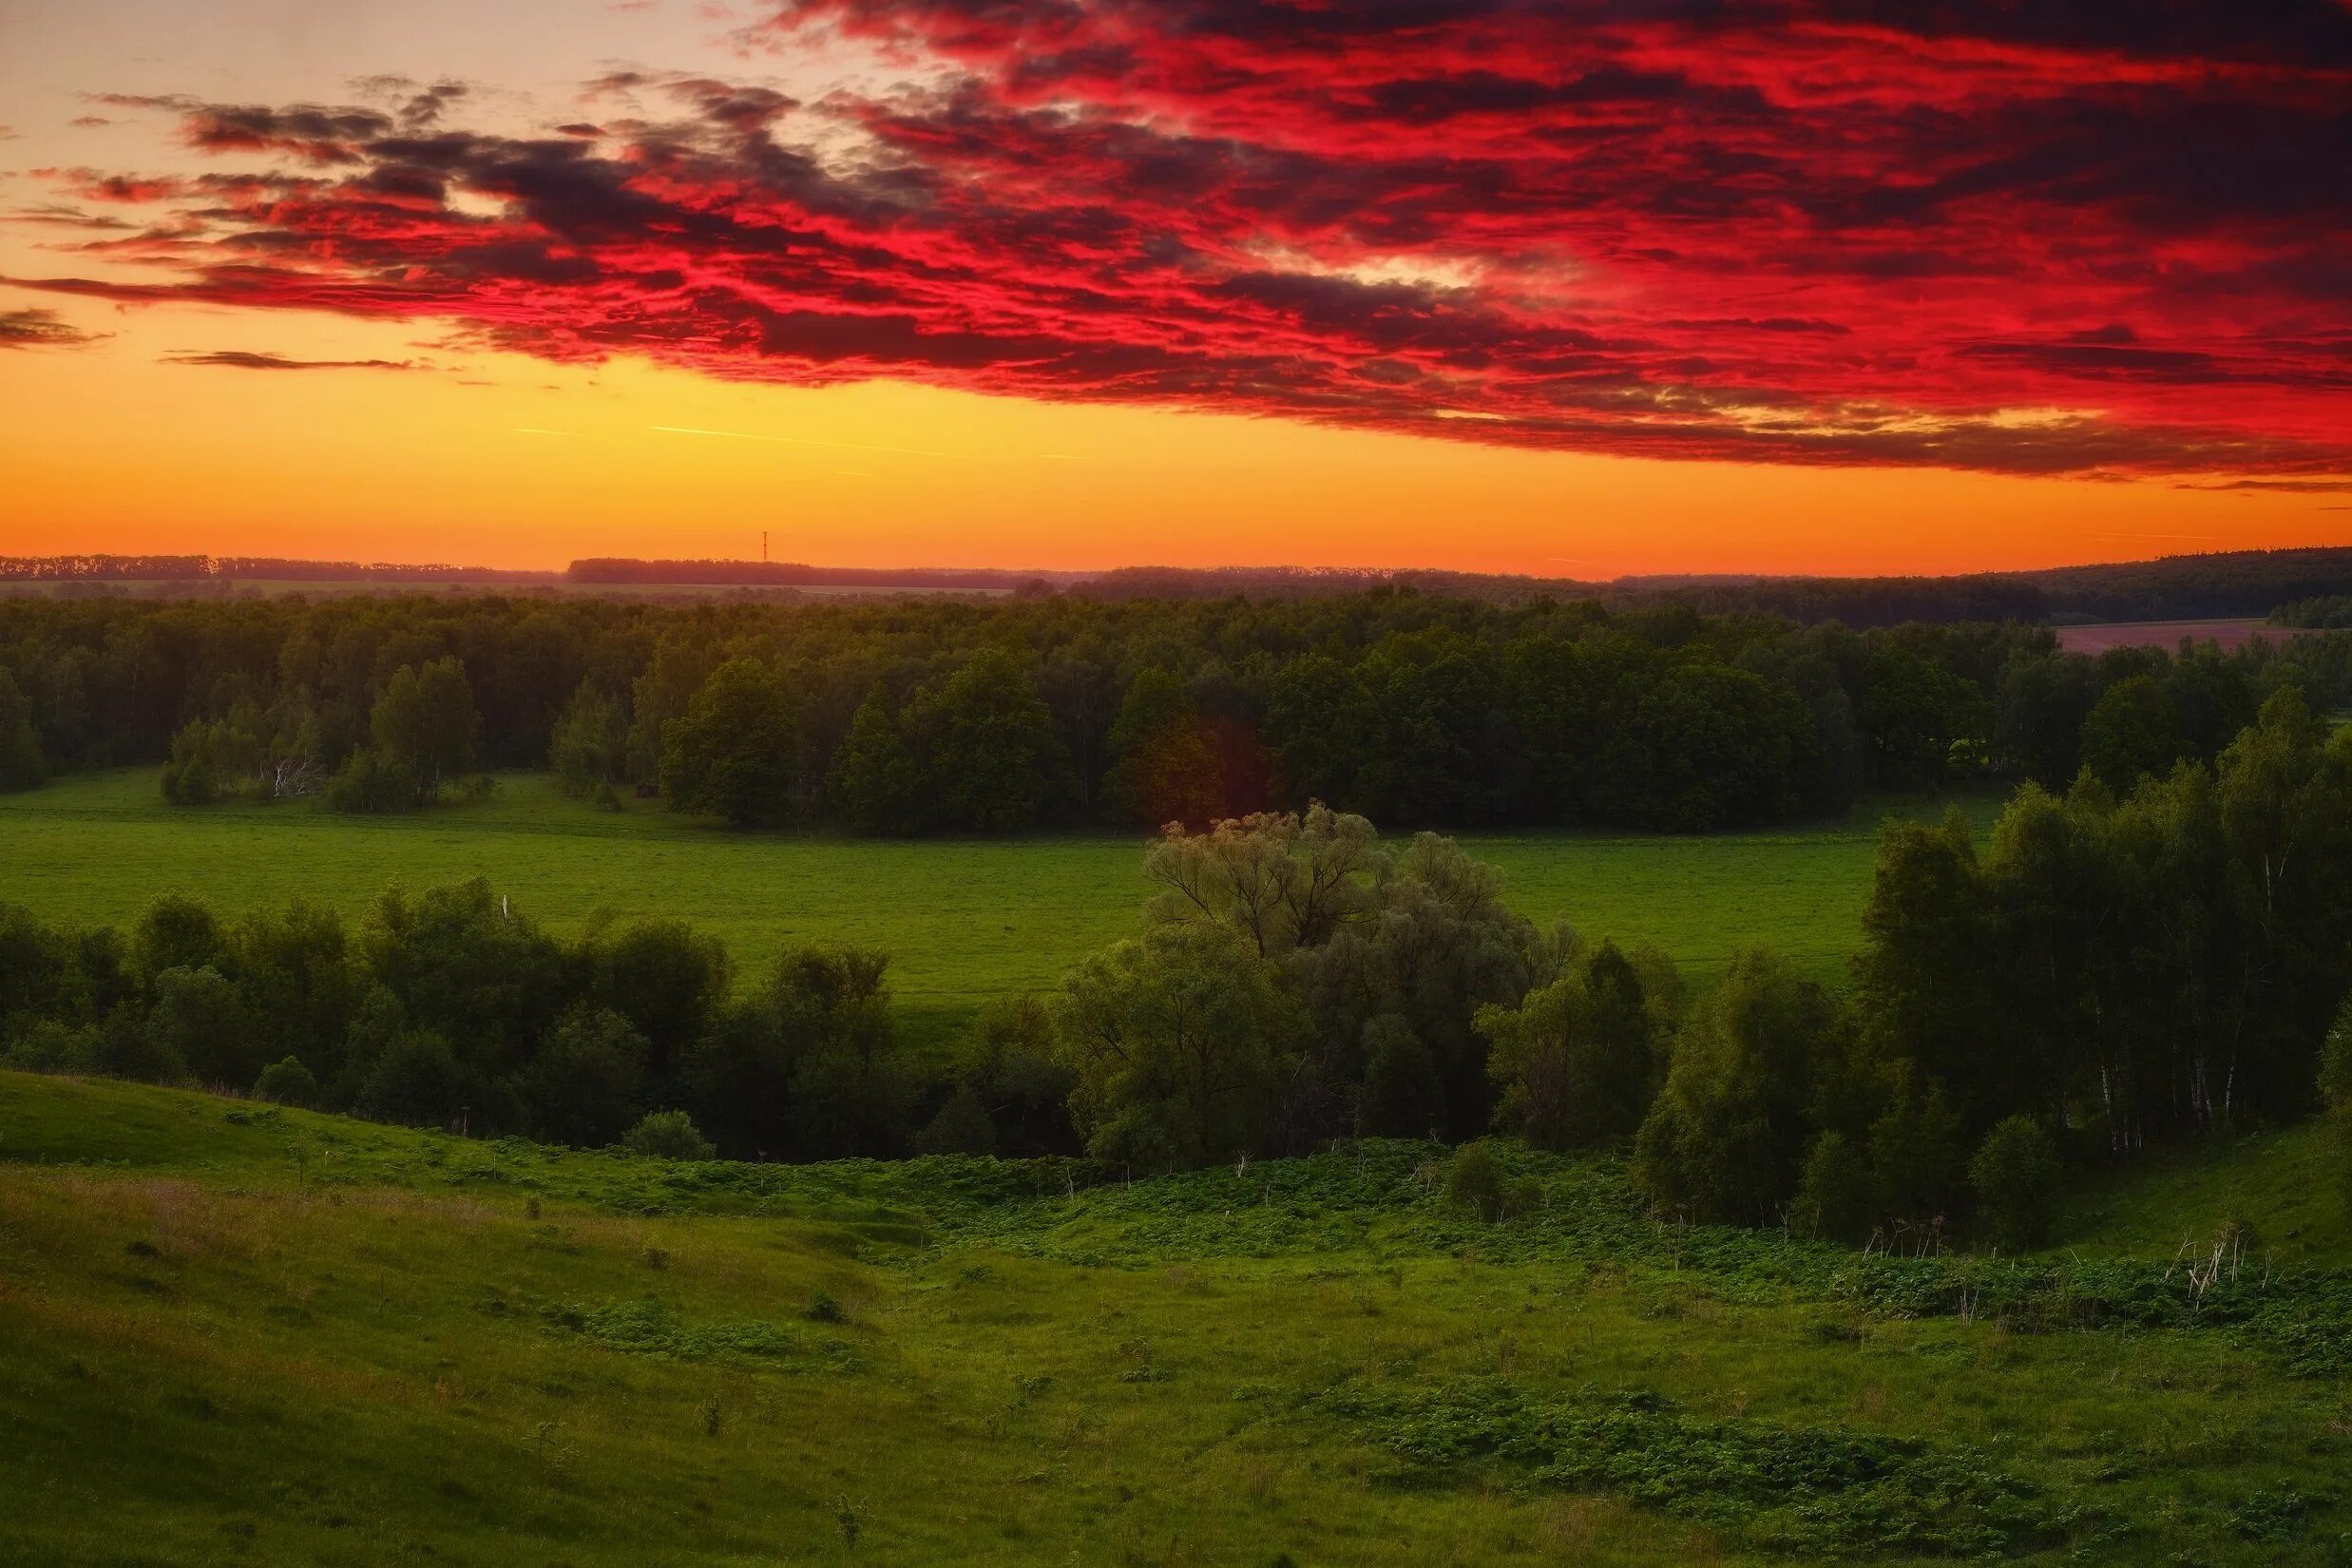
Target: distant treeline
(2245,583)
(174,568)
(909,716)
(2103,975)
(623,571)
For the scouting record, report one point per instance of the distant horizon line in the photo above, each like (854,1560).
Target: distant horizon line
(616,571)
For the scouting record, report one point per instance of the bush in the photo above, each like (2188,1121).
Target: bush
(1474,1180)
(368,784)
(1836,1199)
(287,1083)
(2015,1177)
(668,1135)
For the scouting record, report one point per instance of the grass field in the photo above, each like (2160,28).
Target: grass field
(963,921)
(237,1335)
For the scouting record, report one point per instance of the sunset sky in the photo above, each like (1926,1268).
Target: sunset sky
(1578,289)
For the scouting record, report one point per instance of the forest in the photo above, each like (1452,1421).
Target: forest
(912,716)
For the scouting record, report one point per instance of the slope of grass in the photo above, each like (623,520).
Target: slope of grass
(2277,1185)
(236,1335)
(962,920)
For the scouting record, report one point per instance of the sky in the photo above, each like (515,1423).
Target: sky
(1578,289)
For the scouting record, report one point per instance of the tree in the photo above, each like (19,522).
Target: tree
(1723,1139)
(197,1020)
(668,979)
(1006,1065)
(1575,1061)
(2015,1178)
(369,784)
(1178,1043)
(1165,764)
(994,761)
(1403,1095)
(848,1095)
(874,786)
(177,933)
(22,765)
(416,1082)
(586,1084)
(2130,733)
(589,746)
(668,1135)
(287,1083)
(1835,1198)
(735,753)
(297,983)
(425,725)
(1275,881)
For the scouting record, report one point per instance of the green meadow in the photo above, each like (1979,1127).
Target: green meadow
(232,1334)
(962,920)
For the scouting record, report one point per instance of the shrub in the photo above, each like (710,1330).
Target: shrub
(2015,1177)
(1474,1180)
(668,1135)
(1836,1199)
(371,784)
(287,1083)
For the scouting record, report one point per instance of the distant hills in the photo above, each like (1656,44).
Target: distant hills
(2230,584)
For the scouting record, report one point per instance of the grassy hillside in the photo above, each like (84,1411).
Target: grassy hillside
(962,920)
(230,1334)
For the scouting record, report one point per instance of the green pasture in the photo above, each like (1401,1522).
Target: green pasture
(962,920)
(232,1334)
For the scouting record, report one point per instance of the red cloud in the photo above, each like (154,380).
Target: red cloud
(2020,238)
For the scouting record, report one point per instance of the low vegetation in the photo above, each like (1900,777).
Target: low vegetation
(486,1351)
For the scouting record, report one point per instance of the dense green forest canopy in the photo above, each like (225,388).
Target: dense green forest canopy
(909,716)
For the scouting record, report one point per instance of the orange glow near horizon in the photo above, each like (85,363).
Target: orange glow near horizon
(499,460)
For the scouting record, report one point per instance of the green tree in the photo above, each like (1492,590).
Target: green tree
(368,784)
(668,979)
(1575,1060)
(586,1084)
(668,1135)
(1836,1199)
(1403,1095)
(589,746)
(416,1081)
(2015,1178)
(994,761)
(177,933)
(287,1083)
(874,786)
(2132,733)
(425,725)
(735,753)
(848,1094)
(22,765)
(198,1019)
(1006,1062)
(1723,1137)
(1165,764)
(1178,1043)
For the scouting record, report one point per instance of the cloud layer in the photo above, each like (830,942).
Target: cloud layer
(2059,239)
